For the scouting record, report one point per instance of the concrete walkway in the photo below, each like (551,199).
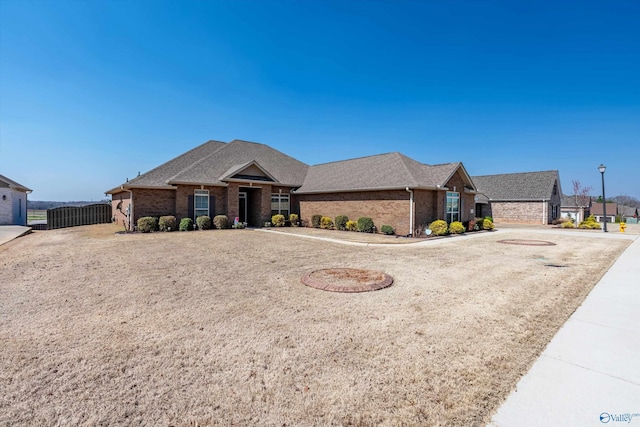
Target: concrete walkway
(589,374)
(10,232)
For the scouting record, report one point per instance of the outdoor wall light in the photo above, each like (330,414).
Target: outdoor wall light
(4,197)
(603,168)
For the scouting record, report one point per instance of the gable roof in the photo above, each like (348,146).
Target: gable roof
(597,208)
(379,172)
(212,169)
(575,201)
(518,186)
(14,185)
(212,162)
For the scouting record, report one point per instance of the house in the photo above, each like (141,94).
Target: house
(13,202)
(629,214)
(575,207)
(252,182)
(390,188)
(597,210)
(527,197)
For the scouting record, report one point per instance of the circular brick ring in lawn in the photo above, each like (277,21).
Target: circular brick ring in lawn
(347,280)
(526,242)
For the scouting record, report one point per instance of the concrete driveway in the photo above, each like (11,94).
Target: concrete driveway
(10,232)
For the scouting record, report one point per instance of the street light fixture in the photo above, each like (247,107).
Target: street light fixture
(603,168)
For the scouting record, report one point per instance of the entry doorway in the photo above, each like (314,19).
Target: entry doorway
(243,206)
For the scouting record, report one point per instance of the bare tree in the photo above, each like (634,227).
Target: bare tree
(580,193)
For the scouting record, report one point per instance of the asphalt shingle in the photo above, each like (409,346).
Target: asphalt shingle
(518,186)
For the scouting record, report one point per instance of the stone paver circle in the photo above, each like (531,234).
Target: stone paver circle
(526,242)
(349,280)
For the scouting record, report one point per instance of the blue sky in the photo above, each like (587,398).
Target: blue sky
(92,92)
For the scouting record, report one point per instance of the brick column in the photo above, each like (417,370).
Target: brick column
(233,205)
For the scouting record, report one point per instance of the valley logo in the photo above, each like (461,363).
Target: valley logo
(606,417)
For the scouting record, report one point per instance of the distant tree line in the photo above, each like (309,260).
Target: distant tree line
(38,205)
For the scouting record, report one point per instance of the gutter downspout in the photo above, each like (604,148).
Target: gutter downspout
(130,209)
(411,211)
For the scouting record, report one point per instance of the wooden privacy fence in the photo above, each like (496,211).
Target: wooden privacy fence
(72,216)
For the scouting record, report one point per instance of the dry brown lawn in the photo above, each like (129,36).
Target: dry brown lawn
(215,328)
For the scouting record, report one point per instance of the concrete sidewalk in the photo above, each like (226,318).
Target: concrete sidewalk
(589,374)
(10,232)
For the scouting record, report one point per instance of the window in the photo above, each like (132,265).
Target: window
(280,204)
(201,203)
(453,207)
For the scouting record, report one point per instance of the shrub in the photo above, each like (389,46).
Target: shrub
(315,221)
(341,222)
(456,227)
(387,229)
(439,227)
(221,222)
(485,224)
(326,223)
(490,218)
(277,220)
(365,225)
(294,219)
(568,224)
(351,226)
(167,223)
(147,224)
(589,223)
(186,224)
(203,222)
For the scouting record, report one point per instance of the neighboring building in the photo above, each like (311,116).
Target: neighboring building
(576,207)
(13,202)
(597,210)
(528,197)
(253,181)
(629,214)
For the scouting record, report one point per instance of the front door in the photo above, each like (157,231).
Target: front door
(243,207)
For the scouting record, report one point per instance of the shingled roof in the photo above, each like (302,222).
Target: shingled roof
(211,161)
(518,186)
(575,201)
(597,208)
(380,172)
(14,185)
(285,170)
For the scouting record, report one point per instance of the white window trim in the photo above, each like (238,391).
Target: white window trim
(195,203)
(448,214)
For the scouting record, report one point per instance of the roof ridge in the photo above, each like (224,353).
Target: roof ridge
(177,157)
(360,158)
(200,160)
(516,173)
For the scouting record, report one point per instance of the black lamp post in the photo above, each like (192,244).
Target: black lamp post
(603,168)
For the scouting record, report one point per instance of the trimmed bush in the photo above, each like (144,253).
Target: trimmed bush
(326,223)
(365,225)
(221,222)
(590,223)
(294,219)
(186,224)
(568,224)
(315,221)
(147,224)
(203,222)
(456,227)
(439,227)
(277,220)
(485,224)
(341,222)
(168,223)
(351,226)
(387,229)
